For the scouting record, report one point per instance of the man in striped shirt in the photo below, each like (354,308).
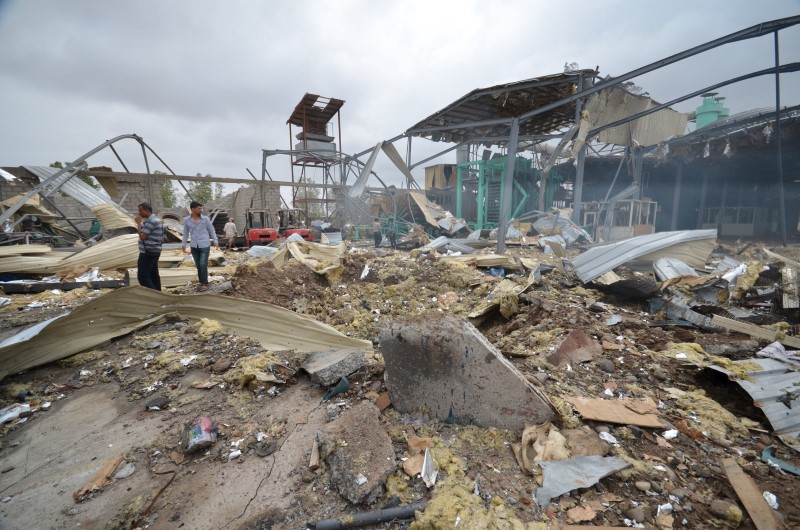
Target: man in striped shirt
(151,234)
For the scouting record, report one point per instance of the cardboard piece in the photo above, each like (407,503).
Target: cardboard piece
(625,412)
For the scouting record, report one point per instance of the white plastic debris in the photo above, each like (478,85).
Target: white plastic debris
(680,356)
(665,509)
(4,301)
(12,412)
(361,480)
(609,438)
(234,454)
(186,360)
(86,373)
(771,499)
(35,305)
(365,272)
(608,392)
(670,434)
(429,469)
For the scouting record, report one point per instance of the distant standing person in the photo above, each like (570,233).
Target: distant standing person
(376,232)
(199,227)
(151,234)
(230,233)
(391,231)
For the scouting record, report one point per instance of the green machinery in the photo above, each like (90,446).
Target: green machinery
(484,179)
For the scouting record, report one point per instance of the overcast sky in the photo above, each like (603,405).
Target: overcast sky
(209,84)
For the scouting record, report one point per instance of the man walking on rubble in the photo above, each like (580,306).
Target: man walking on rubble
(376,232)
(230,233)
(151,234)
(199,227)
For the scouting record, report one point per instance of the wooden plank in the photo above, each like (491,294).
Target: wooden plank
(754,331)
(751,496)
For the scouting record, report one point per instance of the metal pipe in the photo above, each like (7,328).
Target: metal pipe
(508,186)
(366,518)
(781,195)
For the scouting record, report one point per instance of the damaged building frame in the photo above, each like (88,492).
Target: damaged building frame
(634,131)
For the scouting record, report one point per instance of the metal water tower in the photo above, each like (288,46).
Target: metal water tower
(712,109)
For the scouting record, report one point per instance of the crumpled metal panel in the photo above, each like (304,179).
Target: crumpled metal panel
(604,258)
(563,476)
(122,311)
(74,187)
(666,268)
(775,389)
(443,244)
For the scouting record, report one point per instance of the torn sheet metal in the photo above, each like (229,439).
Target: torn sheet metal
(112,217)
(391,152)
(563,476)
(118,252)
(691,246)
(667,268)
(322,259)
(173,277)
(444,244)
(117,313)
(361,182)
(20,250)
(777,351)
(561,224)
(775,389)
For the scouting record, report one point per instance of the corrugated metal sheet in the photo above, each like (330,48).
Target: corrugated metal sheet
(128,309)
(666,268)
(772,387)
(74,187)
(603,258)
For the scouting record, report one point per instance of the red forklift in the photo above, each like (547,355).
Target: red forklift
(259,229)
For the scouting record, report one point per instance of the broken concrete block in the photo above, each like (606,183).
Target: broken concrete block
(577,347)
(445,365)
(328,367)
(358,452)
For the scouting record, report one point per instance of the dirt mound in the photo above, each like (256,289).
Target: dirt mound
(263,282)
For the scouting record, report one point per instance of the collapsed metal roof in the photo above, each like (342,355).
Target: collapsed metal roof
(603,258)
(314,112)
(773,388)
(461,120)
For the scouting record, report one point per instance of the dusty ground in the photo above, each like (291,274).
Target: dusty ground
(98,412)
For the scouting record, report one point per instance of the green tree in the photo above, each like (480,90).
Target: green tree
(201,192)
(85,178)
(168,197)
(218,191)
(313,209)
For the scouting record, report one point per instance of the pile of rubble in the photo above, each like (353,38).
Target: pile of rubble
(328,386)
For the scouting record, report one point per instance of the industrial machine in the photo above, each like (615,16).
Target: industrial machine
(260,223)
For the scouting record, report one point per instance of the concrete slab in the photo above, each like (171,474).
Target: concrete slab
(327,367)
(358,467)
(446,366)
